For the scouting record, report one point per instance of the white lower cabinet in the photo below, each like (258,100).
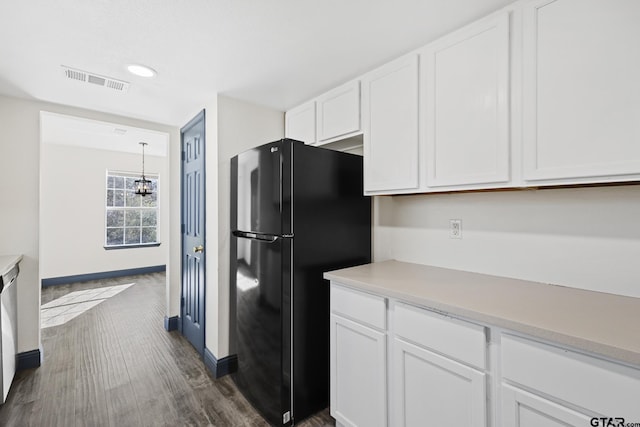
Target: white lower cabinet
(429,389)
(522,409)
(401,365)
(358,359)
(580,386)
(358,392)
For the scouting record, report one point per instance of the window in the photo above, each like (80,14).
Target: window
(131,219)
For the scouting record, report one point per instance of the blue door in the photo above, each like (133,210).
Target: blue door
(193,226)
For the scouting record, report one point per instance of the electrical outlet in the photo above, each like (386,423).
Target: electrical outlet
(455,229)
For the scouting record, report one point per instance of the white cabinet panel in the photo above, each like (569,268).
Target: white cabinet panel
(581,90)
(300,123)
(338,112)
(363,307)
(454,338)
(598,385)
(390,123)
(522,409)
(358,374)
(433,390)
(465,99)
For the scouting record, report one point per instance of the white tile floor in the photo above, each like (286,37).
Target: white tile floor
(73,304)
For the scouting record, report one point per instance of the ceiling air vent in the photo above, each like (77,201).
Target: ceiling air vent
(95,79)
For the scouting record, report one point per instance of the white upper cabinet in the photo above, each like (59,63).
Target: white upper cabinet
(465,106)
(581,91)
(543,92)
(338,112)
(390,124)
(300,123)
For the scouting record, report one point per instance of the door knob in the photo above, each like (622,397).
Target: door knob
(198,248)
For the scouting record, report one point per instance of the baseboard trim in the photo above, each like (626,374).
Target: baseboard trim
(171,323)
(63,280)
(221,367)
(28,359)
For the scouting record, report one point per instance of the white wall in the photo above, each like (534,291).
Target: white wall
(240,126)
(72,211)
(582,237)
(19,201)
(19,164)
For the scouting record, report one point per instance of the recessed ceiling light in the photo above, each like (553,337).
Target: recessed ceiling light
(141,70)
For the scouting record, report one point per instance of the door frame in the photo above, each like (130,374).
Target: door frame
(201,116)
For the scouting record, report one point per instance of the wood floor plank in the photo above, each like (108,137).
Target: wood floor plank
(122,408)
(59,404)
(115,365)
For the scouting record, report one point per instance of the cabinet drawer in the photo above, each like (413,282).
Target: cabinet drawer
(366,308)
(597,385)
(454,338)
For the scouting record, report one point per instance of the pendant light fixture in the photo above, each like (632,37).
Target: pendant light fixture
(143,185)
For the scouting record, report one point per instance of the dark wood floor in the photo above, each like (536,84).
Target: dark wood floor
(115,365)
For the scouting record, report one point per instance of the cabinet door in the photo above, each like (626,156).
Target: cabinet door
(430,389)
(358,374)
(522,409)
(338,112)
(390,123)
(465,96)
(601,386)
(581,90)
(300,123)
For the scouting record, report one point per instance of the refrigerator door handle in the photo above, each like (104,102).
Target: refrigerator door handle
(255,236)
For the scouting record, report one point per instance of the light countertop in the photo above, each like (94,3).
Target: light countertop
(596,322)
(7,262)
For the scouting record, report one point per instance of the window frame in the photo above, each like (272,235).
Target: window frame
(134,175)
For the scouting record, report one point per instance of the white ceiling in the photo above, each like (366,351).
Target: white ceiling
(277,53)
(79,132)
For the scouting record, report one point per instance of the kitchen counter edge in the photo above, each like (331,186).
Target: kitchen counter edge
(568,319)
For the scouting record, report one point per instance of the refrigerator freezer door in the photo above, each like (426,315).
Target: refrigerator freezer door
(263,282)
(262,189)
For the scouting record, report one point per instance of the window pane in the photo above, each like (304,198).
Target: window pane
(115,218)
(132,236)
(115,236)
(149,218)
(133,199)
(132,218)
(150,200)
(118,182)
(149,235)
(118,199)
(131,184)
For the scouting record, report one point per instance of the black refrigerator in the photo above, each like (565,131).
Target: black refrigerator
(296,212)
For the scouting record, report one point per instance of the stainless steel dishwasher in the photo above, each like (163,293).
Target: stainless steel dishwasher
(9,326)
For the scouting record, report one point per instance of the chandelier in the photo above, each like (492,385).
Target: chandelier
(143,185)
